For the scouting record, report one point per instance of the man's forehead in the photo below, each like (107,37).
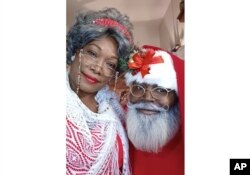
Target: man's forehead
(145,84)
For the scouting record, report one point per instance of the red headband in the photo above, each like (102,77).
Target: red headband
(112,23)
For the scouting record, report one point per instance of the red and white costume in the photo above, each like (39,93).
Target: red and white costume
(170,160)
(96,143)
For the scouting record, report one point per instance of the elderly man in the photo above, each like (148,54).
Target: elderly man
(155,120)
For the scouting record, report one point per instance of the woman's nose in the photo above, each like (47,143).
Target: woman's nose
(97,66)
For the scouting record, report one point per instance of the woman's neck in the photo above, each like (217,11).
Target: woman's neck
(89,101)
(87,98)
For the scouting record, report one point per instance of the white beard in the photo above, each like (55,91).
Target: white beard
(151,132)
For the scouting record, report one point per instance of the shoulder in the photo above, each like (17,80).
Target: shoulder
(106,95)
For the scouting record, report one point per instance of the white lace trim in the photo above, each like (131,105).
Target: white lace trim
(84,119)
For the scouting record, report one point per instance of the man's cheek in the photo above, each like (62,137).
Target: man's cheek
(133,99)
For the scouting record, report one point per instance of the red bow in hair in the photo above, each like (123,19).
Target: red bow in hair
(140,61)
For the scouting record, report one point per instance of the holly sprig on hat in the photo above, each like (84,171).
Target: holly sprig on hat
(123,63)
(139,61)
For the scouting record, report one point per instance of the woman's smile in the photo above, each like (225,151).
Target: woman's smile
(90,79)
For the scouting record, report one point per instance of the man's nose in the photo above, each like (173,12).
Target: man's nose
(148,96)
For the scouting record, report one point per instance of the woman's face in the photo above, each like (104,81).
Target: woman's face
(94,65)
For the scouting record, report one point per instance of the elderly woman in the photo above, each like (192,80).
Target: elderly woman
(97,45)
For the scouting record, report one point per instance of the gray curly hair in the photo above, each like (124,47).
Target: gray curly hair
(86,30)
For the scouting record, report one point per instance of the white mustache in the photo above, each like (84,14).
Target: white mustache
(148,106)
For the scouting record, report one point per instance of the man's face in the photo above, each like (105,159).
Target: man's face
(153,116)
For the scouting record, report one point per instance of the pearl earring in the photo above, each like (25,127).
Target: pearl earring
(73,58)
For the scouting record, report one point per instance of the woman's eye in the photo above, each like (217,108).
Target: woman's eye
(111,66)
(92,53)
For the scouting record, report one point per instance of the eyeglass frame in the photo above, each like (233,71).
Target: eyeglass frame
(93,61)
(150,90)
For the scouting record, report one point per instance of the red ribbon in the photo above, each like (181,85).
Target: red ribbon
(140,61)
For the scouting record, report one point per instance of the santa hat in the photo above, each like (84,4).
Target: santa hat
(152,66)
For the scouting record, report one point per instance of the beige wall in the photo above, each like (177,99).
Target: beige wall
(164,33)
(170,28)
(161,32)
(147,33)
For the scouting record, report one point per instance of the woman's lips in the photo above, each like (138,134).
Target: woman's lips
(90,79)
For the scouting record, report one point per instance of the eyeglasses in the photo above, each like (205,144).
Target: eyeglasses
(156,92)
(92,59)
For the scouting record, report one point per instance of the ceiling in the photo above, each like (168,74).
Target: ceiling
(137,10)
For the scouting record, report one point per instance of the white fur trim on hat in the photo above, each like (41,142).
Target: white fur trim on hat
(162,74)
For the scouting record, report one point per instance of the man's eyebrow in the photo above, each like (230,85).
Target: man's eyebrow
(155,85)
(149,85)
